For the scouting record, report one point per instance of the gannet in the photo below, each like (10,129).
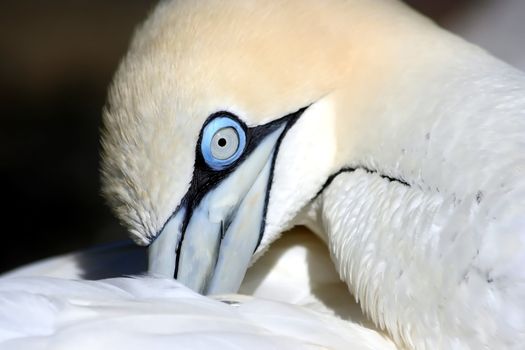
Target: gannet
(401,145)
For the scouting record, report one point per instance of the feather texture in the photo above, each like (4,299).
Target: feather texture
(415,260)
(60,313)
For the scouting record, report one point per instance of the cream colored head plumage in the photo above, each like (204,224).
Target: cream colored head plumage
(259,60)
(188,61)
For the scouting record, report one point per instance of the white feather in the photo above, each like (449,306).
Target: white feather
(60,313)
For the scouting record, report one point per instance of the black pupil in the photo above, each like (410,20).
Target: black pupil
(222,142)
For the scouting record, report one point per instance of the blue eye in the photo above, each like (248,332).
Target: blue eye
(223,142)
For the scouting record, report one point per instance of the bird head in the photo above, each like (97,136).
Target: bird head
(221,126)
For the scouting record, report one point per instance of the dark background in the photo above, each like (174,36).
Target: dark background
(56,60)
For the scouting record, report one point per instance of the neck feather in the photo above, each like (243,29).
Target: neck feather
(437,256)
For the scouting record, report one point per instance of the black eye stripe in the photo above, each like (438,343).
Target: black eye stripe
(205,178)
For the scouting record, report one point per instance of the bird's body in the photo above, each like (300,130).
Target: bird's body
(137,313)
(292,298)
(401,145)
(385,268)
(297,270)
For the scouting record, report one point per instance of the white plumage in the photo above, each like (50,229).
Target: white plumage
(308,309)
(399,144)
(46,313)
